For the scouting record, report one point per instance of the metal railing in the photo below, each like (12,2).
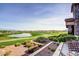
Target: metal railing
(36,52)
(58,50)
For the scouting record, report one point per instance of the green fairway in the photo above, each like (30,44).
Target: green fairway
(20,40)
(35,35)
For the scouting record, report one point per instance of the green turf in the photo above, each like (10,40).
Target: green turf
(35,35)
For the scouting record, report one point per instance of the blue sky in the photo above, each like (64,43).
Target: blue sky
(34,16)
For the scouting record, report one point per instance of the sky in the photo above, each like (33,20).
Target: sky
(34,16)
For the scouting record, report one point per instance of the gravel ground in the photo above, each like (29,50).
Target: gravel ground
(22,51)
(48,51)
(14,51)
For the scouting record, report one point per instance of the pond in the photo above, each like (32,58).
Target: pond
(21,35)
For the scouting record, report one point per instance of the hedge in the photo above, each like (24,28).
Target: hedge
(62,38)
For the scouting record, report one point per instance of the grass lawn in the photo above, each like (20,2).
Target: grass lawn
(20,40)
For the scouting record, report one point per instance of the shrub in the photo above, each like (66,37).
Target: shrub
(31,44)
(40,45)
(62,38)
(78,37)
(67,38)
(32,49)
(53,38)
(24,43)
(17,44)
(2,46)
(28,44)
(62,35)
(72,37)
(51,49)
(42,40)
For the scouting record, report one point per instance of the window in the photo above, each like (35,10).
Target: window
(77,13)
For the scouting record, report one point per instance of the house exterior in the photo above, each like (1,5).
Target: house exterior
(73,23)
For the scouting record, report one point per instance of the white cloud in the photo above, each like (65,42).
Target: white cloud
(54,23)
(49,21)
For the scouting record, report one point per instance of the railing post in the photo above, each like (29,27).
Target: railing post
(58,50)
